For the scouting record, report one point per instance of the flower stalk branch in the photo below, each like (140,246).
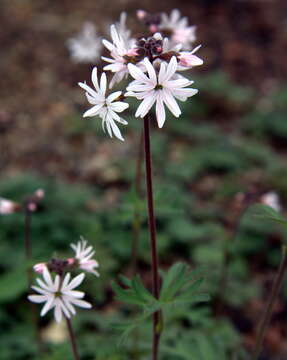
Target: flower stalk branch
(152,229)
(277,285)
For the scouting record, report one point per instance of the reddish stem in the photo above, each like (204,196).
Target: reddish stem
(152,230)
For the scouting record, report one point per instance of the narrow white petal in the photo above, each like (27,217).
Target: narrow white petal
(151,71)
(74,283)
(66,280)
(69,306)
(37,298)
(162,71)
(160,112)
(119,106)
(178,83)
(108,126)
(171,68)
(116,131)
(103,85)
(113,96)
(95,78)
(58,312)
(64,309)
(88,89)
(146,105)
(93,111)
(108,45)
(41,290)
(81,303)
(47,277)
(74,293)
(170,103)
(137,73)
(48,306)
(43,285)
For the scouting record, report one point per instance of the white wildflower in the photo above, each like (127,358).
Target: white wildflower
(123,31)
(59,295)
(106,107)
(7,206)
(84,254)
(120,51)
(160,89)
(272,199)
(86,46)
(181,32)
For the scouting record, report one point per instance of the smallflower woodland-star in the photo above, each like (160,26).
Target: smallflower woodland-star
(106,107)
(83,255)
(158,88)
(59,295)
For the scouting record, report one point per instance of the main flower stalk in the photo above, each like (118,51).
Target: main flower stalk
(153,242)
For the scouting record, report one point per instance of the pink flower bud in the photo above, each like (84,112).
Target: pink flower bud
(141,14)
(40,193)
(189,60)
(71,261)
(32,207)
(153,28)
(39,268)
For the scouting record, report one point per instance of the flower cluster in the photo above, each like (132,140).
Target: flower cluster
(30,204)
(152,65)
(58,292)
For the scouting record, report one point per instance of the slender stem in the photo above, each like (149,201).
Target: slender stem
(137,220)
(152,228)
(73,340)
(277,284)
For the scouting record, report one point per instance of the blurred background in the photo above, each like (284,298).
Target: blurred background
(224,154)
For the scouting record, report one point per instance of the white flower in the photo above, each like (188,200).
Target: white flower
(86,46)
(272,199)
(83,254)
(7,207)
(123,31)
(158,89)
(105,107)
(59,295)
(119,50)
(180,31)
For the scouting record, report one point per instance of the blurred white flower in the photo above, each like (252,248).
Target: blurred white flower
(105,107)
(181,32)
(120,52)
(8,207)
(83,254)
(272,199)
(86,46)
(159,89)
(59,295)
(123,31)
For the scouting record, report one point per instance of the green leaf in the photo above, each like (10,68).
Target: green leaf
(13,284)
(173,281)
(267,212)
(140,290)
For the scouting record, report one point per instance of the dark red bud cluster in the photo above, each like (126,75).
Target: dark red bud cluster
(58,266)
(149,47)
